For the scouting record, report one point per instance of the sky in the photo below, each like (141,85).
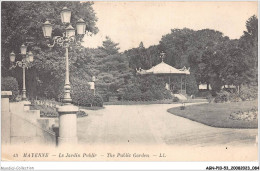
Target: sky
(129,23)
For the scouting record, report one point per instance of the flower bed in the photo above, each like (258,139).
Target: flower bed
(246,116)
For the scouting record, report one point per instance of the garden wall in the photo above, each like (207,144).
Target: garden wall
(24,126)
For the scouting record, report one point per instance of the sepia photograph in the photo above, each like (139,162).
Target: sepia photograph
(124,81)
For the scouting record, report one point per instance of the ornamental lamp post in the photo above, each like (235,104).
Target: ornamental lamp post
(81,27)
(70,31)
(47,29)
(27,58)
(67,112)
(65,15)
(30,56)
(23,49)
(12,57)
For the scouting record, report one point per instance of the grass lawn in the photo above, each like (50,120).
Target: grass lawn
(218,114)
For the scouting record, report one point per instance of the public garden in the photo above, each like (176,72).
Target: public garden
(116,103)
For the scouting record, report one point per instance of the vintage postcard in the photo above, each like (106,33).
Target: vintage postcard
(138,81)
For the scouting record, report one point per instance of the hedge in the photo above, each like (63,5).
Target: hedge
(10,84)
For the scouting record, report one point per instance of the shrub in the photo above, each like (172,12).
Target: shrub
(146,89)
(10,84)
(119,97)
(222,96)
(105,97)
(46,111)
(81,114)
(132,92)
(234,97)
(210,98)
(147,96)
(204,94)
(167,94)
(82,98)
(51,112)
(248,92)
(175,99)
(98,101)
(82,95)
(157,95)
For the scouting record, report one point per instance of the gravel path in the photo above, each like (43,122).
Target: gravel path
(152,124)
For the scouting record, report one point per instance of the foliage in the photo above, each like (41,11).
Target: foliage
(111,69)
(234,97)
(97,101)
(109,47)
(175,99)
(249,44)
(175,45)
(248,92)
(132,92)
(218,114)
(216,84)
(212,57)
(81,114)
(204,93)
(237,69)
(46,111)
(21,23)
(192,86)
(222,96)
(146,89)
(51,112)
(81,93)
(249,115)
(189,48)
(10,84)
(139,57)
(210,98)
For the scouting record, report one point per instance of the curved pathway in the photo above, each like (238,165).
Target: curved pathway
(152,124)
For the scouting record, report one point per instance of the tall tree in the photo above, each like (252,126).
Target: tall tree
(139,57)
(109,47)
(194,49)
(236,70)
(22,22)
(112,68)
(249,43)
(175,45)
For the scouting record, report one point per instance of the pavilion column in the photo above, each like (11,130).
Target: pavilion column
(181,84)
(185,83)
(170,83)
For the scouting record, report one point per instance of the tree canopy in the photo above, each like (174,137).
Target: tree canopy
(22,24)
(212,57)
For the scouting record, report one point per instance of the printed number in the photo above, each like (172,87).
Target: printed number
(15,155)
